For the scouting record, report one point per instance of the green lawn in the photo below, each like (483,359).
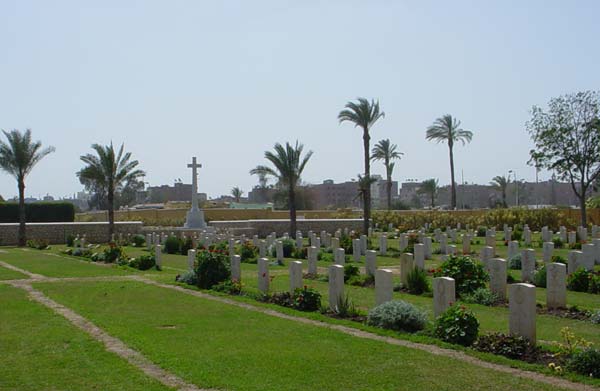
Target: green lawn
(7,274)
(39,262)
(43,351)
(221,346)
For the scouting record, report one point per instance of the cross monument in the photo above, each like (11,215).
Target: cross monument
(195,217)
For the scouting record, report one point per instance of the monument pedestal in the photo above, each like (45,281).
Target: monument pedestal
(195,219)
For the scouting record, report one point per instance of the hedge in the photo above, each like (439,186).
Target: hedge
(38,212)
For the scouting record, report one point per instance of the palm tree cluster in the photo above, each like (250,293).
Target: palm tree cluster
(287,167)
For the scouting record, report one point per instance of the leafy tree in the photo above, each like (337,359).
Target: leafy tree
(447,129)
(429,187)
(18,155)
(288,165)
(107,172)
(386,151)
(500,183)
(363,114)
(567,141)
(237,193)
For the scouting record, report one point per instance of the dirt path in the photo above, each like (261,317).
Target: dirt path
(111,344)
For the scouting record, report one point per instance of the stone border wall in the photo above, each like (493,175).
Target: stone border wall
(264,227)
(57,233)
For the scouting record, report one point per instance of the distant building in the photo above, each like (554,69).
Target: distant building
(379,192)
(178,192)
(329,195)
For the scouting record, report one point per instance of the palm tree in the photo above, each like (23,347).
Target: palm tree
(236,192)
(447,129)
(108,171)
(386,151)
(363,114)
(364,185)
(429,187)
(18,156)
(288,165)
(500,183)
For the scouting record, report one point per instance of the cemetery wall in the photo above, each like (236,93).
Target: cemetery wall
(176,217)
(264,227)
(57,233)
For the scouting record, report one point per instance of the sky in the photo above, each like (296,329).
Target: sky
(225,80)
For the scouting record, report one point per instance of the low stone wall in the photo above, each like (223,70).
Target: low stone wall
(57,233)
(264,227)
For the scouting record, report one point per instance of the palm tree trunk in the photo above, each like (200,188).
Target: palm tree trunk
(432,200)
(22,228)
(111,213)
(367,191)
(453,184)
(389,192)
(292,201)
(582,205)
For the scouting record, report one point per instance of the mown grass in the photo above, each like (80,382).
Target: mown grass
(8,274)
(221,346)
(42,351)
(51,264)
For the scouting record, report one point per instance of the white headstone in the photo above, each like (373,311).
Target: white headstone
(339,256)
(556,285)
(406,266)
(312,260)
(191,259)
(383,286)
(497,268)
(263,275)
(236,268)
(295,276)
(336,285)
(527,264)
(419,256)
(371,262)
(521,308)
(444,294)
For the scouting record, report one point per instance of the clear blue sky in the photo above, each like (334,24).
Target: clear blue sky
(225,80)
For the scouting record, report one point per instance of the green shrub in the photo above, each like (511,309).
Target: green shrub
(345,308)
(212,268)
(350,271)
(143,262)
(172,245)
(188,277)
(231,287)
(586,362)
(306,299)
(511,346)
(397,315)
(558,259)
(112,254)
(288,247)
(186,245)
(558,243)
(70,240)
(138,240)
(481,296)
(467,274)
(517,235)
(514,262)
(325,256)
(300,253)
(416,281)
(579,281)
(539,277)
(481,232)
(38,244)
(457,325)
(248,252)
(361,280)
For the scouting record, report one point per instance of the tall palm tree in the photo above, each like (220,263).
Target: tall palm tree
(364,185)
(447,129)
(237,193)
(363,114)
(500,183)
(108,171)
(288,165)
(18,155)
(429,187)
(386,151)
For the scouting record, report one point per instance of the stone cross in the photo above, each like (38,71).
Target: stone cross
(195,217)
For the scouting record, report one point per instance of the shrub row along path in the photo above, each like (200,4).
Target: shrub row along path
(134,357)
